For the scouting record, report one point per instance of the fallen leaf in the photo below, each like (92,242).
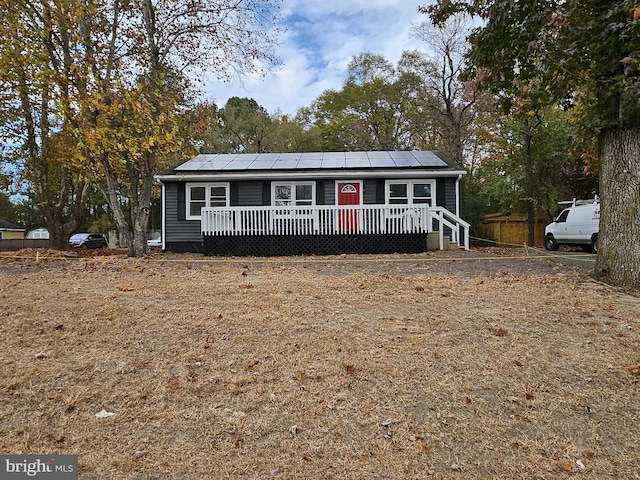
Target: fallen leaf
(126,288)
(566,467)
(635,369)
(423,447)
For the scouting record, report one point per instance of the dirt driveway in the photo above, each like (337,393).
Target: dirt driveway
(482,364)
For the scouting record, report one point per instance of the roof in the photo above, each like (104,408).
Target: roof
(312,164)
(4,225)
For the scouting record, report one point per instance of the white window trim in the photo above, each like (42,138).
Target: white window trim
(293,185)
(410,184)
(207,197)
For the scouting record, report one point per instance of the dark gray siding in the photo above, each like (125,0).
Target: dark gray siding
(369,196)
(446,193)
(178,230)
(249,194)
(329,192)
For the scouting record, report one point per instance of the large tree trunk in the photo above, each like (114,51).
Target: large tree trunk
(618,260)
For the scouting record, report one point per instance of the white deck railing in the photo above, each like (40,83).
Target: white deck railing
(330,220)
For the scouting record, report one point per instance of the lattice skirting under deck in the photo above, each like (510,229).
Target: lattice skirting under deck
(282,245)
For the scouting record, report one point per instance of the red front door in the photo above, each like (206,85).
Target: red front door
(348,194)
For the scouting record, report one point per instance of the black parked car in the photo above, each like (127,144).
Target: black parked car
(88,240)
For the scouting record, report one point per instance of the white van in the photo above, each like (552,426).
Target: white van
(576,225)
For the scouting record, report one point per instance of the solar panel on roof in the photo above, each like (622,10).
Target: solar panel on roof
(401,154)
(285,165)
(429,159)
(357,162)
(405,161)
(333,160)
(237,165)
(290,156)
(382,162)
(378,154)
(268,157)
(261,165)
(312,160)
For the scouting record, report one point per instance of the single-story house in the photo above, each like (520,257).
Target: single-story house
(312,203)
(9,231)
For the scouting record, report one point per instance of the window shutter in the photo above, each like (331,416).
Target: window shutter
(440,199)
(380,192)
(234,195)
(320,193)
(266,193)
(182,202)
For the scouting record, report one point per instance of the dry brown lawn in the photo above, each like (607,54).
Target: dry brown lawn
(396,367)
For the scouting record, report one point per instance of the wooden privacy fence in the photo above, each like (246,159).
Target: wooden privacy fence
(511,229)
(13,244)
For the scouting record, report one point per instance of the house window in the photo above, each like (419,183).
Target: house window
(293,194)
(403,192)
(201,195)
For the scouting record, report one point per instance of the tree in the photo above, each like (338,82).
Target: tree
(7,209)
(33,103)
(588,53)
(375,109)
(162,39)
(451,100)
(113,74)
(245,127)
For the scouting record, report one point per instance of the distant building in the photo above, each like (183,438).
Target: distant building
(9,231)
(38,234)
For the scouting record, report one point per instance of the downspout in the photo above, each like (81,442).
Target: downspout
(457,212)
(458,194)
(162,222)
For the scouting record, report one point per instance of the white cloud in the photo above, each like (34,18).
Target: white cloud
(321,39)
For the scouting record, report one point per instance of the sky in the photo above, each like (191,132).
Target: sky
(321,38)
